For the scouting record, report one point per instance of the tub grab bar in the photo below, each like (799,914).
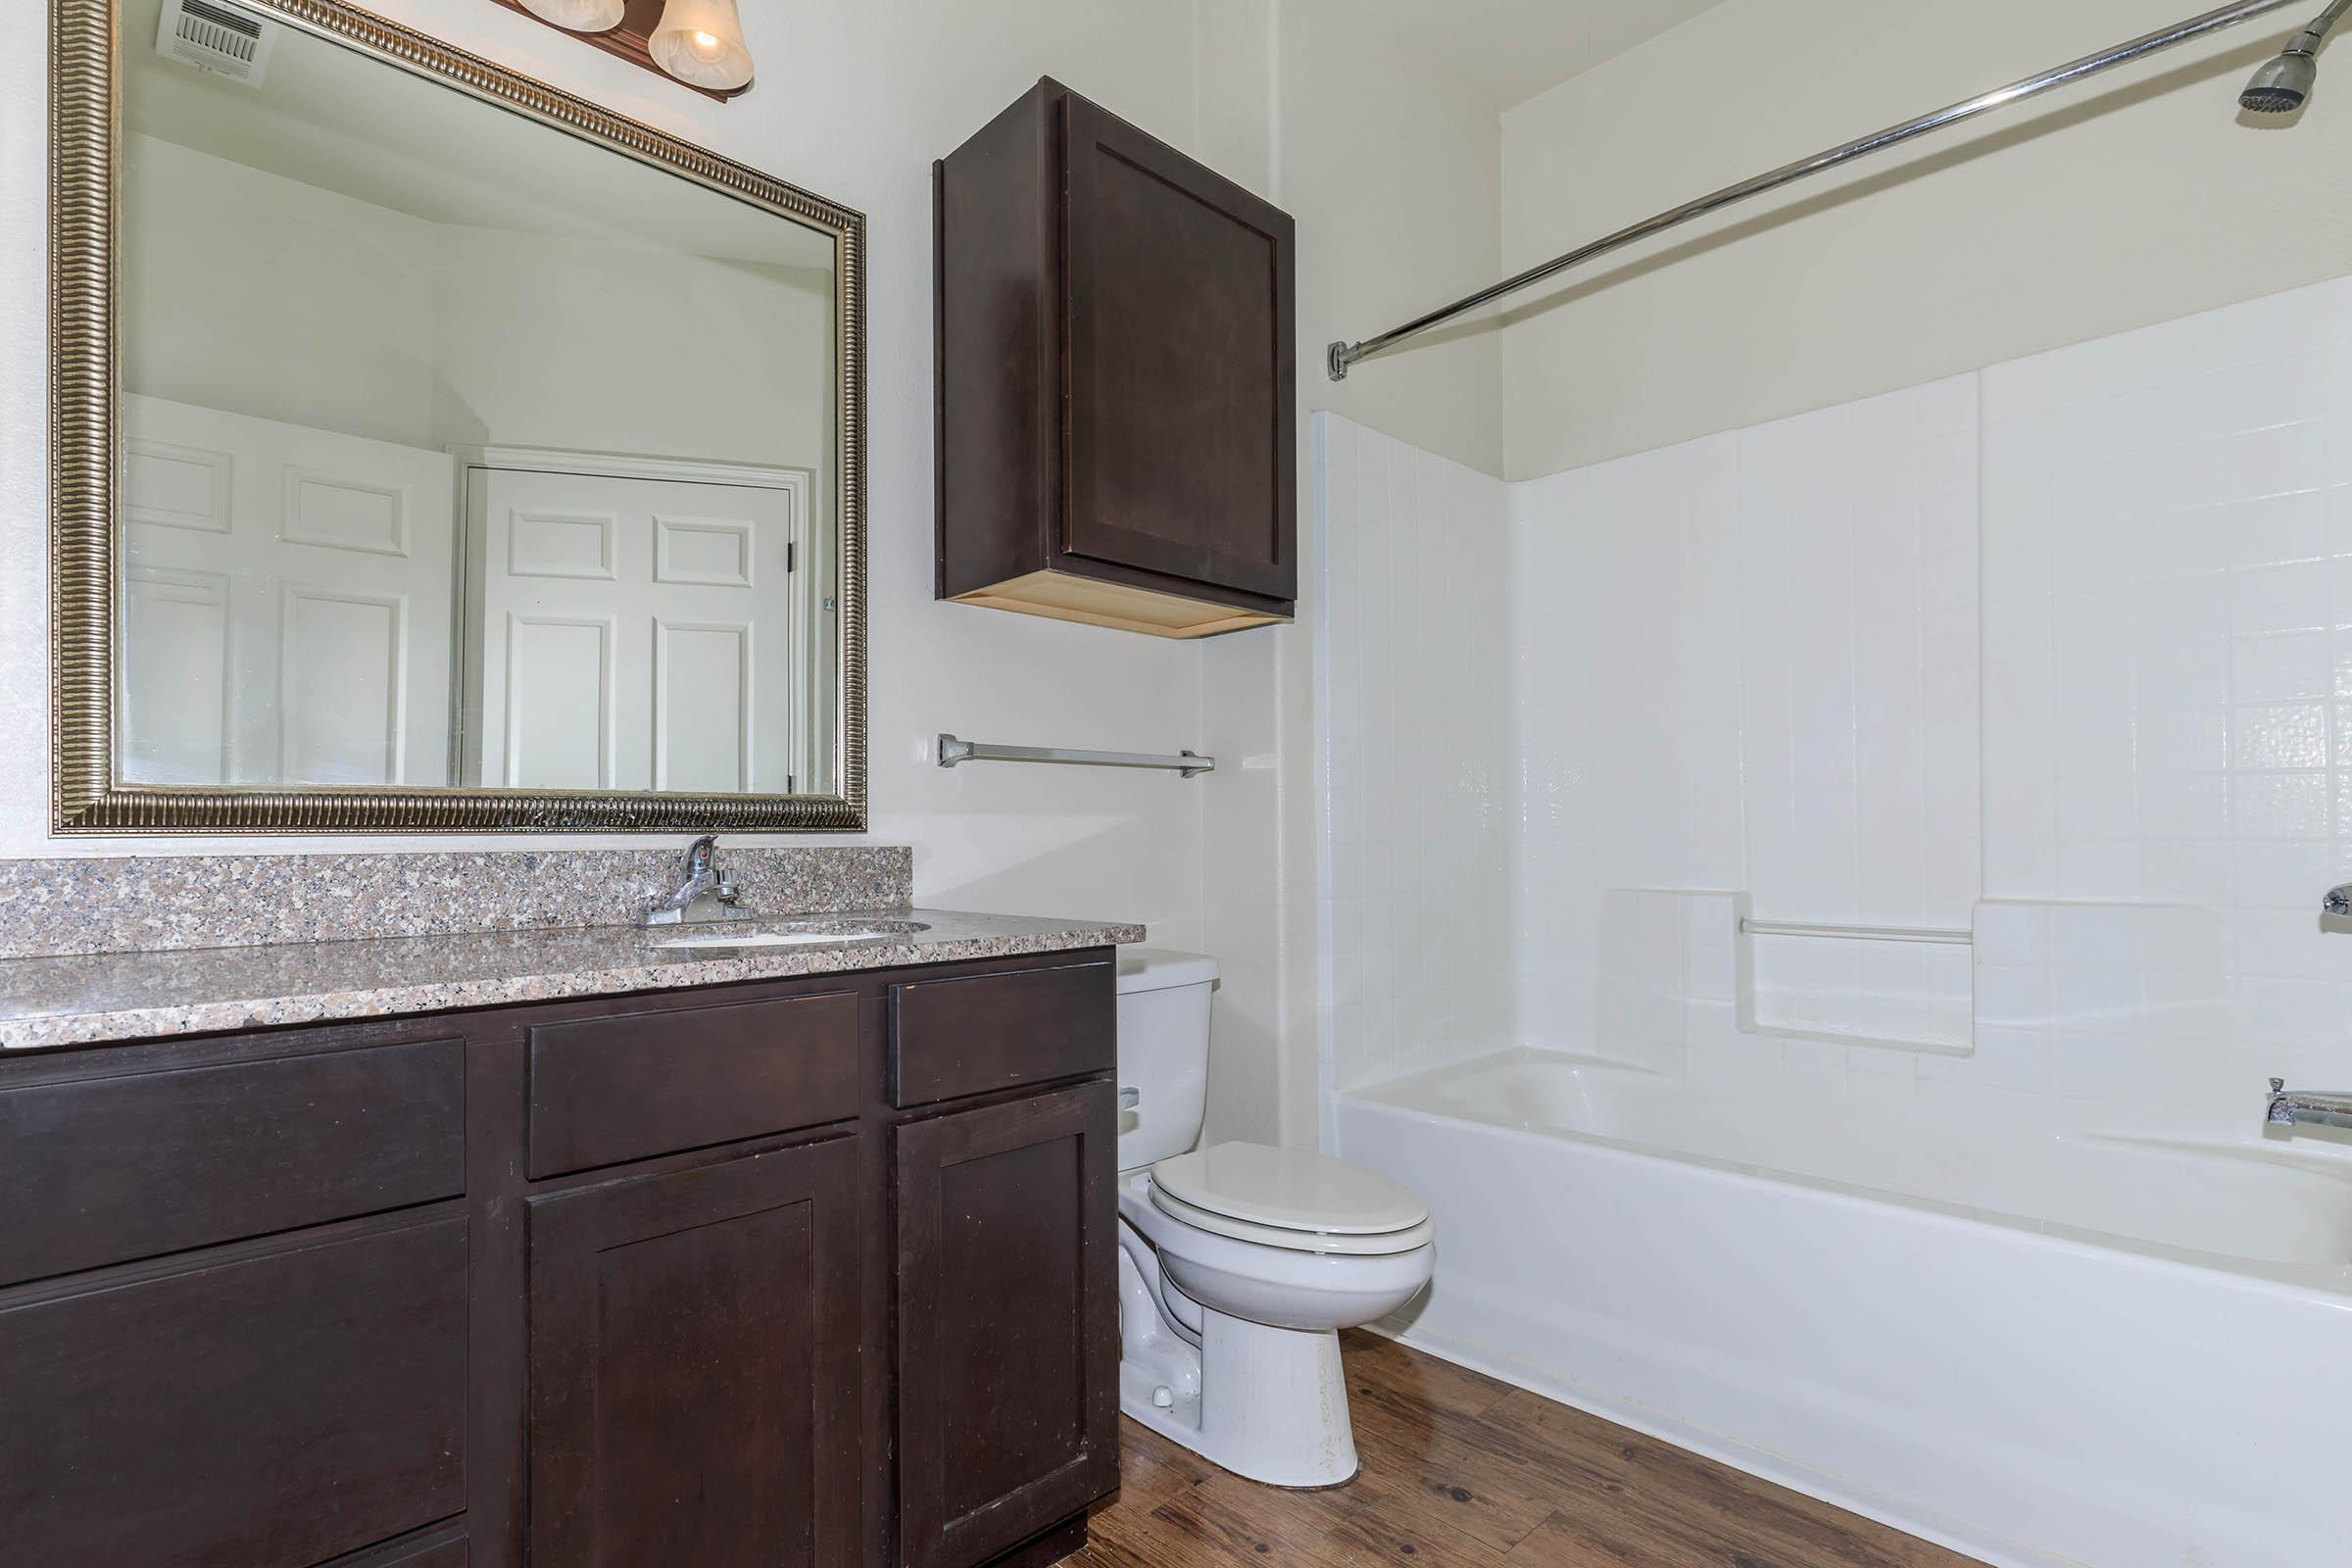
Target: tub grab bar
(1858,933)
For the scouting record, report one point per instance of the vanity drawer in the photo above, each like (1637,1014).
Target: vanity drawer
(605,1091)
(114,1167)
(967,1036)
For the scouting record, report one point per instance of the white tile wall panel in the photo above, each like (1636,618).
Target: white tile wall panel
(1415,741)
(2062,651)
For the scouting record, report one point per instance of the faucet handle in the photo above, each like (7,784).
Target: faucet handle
(2277,1086)
(699,853)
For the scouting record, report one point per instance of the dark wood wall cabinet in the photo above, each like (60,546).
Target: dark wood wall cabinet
(813,1272)
(1116,379)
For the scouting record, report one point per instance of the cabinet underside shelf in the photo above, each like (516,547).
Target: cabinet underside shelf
(1064,597)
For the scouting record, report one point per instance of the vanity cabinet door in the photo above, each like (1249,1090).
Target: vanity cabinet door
(1007,1351)
(695,1366)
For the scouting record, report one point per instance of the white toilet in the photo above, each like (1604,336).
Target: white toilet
(1238,1263)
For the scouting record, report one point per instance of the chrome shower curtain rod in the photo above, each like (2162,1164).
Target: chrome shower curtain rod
(1340,355)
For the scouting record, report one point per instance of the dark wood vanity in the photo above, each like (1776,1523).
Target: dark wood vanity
(811,1271)
(1117,379)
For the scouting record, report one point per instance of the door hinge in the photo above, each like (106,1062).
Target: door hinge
(792,555)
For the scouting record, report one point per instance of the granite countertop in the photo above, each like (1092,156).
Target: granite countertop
(116,996)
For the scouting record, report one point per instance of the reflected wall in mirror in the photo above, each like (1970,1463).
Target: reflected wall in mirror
(480,457)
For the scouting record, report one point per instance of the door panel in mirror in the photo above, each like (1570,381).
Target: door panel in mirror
(640,634)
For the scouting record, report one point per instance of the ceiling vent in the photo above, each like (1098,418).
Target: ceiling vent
(216,37)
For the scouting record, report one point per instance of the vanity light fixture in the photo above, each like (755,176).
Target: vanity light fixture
(580,16)
(700,42)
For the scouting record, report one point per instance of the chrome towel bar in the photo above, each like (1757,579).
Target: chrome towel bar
(1859,933)
(953,751)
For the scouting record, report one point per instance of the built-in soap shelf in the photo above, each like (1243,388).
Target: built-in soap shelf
(1886,987)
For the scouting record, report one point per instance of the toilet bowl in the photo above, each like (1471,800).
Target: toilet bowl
(1238,1263)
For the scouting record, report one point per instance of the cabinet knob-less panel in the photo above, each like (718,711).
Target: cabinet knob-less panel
(695,1366)
(115,1166)
(646,1083)
(1008,1344)
(265,1407)
(973,1034)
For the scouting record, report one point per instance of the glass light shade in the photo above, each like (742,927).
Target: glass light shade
(580,16)
(701,41)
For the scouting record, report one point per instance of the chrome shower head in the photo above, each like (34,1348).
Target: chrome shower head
(2282,84)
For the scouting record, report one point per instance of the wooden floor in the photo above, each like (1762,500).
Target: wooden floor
(1462,1469)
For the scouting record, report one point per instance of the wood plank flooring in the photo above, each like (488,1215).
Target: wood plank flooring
(1464,1471)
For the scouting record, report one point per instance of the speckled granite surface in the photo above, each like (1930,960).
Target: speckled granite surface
(83,998)
(148,903)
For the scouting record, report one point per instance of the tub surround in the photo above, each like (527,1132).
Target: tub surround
(148,903)
(85,999)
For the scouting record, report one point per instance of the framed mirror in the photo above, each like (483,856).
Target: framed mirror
(435,451)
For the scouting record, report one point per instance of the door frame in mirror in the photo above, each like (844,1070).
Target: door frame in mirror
(86,794)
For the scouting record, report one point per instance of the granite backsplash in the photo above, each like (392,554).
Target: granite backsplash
(154,903)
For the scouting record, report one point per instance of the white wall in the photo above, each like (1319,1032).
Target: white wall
(310,308)
(1393,173)
(2135,199)
(256,294)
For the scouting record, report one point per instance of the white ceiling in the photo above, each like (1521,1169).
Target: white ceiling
(1512,50)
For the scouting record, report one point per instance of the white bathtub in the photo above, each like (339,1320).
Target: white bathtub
(2037,1349)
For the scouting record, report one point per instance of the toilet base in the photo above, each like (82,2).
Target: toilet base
(1282,1415)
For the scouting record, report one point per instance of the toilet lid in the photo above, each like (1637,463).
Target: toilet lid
(1387,1243)
(1288,1189)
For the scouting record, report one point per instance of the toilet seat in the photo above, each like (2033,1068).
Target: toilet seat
(1289,1199)
(1379,1245)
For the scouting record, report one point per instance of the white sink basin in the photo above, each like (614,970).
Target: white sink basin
(785,934)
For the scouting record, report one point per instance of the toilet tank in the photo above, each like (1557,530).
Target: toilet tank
(1163,1052)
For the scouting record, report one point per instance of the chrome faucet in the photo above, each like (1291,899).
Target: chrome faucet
(703,882)
(2287,1107)
(2338,900)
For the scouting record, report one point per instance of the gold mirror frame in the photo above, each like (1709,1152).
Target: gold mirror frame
(84,172)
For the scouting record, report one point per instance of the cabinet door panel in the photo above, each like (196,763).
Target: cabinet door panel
(1007,1336)
(1181,364)
(695,1366)
(262,1412)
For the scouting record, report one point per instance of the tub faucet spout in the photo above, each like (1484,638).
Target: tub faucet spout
(2290,1106)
